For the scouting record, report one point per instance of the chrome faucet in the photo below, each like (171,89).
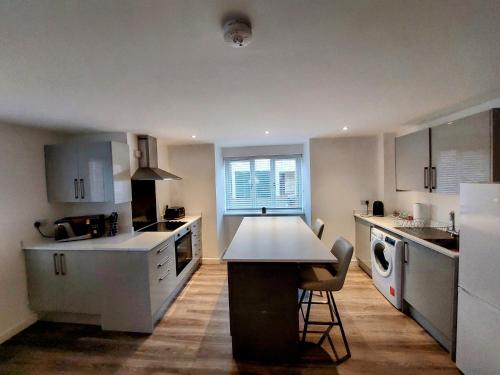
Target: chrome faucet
(452,230)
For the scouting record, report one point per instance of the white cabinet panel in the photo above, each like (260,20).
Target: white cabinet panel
(477,338)
(44,280)
(461,152)
(412,161)
(88,172)
(61,166)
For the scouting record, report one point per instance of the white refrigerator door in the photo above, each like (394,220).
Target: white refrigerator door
(478,343)
(480,241)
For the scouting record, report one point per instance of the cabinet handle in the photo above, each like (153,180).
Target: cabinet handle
(406,252)
(159,251)
(433,178)
(63,264)
(76,188)
(161,278)
(160,265)
(56,266)
(82,188)
(426,177)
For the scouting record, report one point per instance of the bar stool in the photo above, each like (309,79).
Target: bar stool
(318,227)
(326,278)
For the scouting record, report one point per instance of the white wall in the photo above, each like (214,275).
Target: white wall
(23,200)
(196,191)
(343,172)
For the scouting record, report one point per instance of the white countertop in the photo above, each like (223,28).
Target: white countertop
(136,241)
(277,239)
(388,223)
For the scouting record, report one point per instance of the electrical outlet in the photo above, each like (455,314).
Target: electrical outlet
(38,223)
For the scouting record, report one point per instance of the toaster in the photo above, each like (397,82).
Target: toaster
(175,212)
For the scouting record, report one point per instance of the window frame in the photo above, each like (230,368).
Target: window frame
(256,209)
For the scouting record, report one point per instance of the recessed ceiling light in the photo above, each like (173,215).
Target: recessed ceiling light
(266,132)
(193,136)
(450,123)
(345,128)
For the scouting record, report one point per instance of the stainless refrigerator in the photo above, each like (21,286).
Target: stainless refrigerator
(478,320)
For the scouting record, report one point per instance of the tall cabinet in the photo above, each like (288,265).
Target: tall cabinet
(440,158)
(88,172)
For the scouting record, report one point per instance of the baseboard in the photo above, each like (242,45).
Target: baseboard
(11,332)
(210,261)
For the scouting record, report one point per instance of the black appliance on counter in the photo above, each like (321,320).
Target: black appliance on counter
(378,208)
(172,213)
(79,228)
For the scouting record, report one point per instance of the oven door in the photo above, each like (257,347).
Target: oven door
(183,251)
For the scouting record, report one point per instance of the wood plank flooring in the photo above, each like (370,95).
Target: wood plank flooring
(193,338)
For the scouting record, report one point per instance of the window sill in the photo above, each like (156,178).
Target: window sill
(269,213)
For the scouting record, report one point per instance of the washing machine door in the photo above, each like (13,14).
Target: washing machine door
(381,258)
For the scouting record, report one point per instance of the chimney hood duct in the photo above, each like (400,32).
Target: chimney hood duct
(148,162)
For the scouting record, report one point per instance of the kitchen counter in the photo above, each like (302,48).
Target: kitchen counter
(136,241)
(277,239)
(388,223)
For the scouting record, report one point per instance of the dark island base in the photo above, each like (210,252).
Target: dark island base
(264,319)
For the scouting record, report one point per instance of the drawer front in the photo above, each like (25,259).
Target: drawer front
(196,250)
(161,251)
(161,274)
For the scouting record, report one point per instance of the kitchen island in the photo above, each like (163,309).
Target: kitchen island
(263,274)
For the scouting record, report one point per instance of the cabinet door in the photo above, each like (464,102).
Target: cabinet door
(430,286)
(44,280)
(95,171)
(81,292)
(363,243)
(61,169)
(412,161)
(461,152)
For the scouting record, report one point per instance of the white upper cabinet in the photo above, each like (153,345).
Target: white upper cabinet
(88,172)
(412,161)
(461,152)
(439,159)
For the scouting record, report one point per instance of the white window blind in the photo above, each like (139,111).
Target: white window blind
(272,182)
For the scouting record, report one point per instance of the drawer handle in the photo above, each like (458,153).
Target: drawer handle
(159,251)
(161,278)
(160,265)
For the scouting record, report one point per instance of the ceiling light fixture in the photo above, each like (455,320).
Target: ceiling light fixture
(266,132)
(345,128)
(193,136)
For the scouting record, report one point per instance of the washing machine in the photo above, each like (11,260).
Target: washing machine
(387,265)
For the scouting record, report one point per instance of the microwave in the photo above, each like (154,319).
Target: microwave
(79,228)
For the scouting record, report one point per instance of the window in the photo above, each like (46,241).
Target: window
(271,182)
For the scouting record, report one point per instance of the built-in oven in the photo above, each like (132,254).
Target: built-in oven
(183,249)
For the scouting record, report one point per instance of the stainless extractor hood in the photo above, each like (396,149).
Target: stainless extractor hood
(148,163)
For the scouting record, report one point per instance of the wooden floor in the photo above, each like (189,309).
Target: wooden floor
(193,338)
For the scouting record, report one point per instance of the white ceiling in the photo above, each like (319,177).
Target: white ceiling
(161,67)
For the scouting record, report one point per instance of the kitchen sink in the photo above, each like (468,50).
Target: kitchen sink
(433,235)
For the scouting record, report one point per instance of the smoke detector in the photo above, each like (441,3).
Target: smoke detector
(237,33)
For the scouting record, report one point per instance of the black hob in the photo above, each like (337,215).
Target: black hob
(163,226)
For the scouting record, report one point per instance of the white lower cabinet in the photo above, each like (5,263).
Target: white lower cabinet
(62,282)
(121,290)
